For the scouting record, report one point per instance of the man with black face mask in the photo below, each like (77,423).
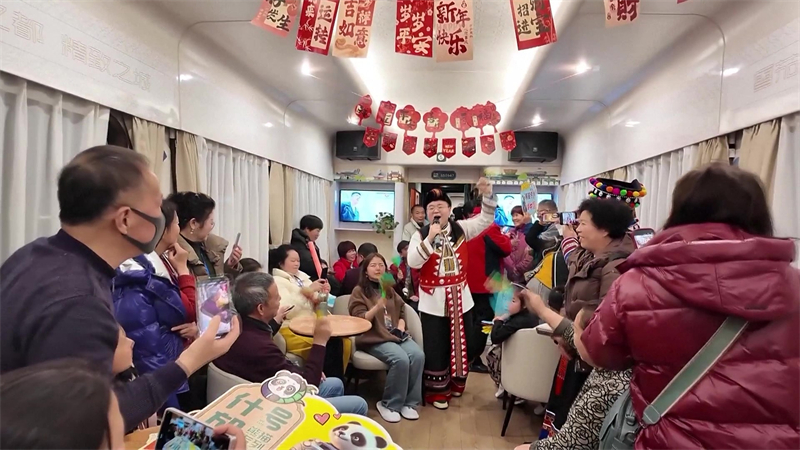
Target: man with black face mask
(55,293)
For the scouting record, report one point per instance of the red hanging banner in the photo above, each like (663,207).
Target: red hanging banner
(454,30)
(354,29)
(533,22)
(408,118)
(435,121)
(487,143)
(430,147)
(389,141)
(468,146)
(276,16)
(364,108)
(414,28)
(316,25)
(620,12)
(508,140)
(449,147)
(409,144)
(385,114)
(460,120)
(371,137)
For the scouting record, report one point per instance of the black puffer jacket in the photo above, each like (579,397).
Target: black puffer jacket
(300,242)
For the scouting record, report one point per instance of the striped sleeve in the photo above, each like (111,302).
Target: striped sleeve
(568,245)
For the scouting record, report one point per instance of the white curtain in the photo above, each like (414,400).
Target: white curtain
(786,184)
(573,194)
(311,196)
(239,183)
(41,130)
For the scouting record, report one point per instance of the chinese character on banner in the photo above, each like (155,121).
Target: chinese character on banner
(385,114)
(409,144)
(449,147)
(364,108)
(276,16)
(371,136)
(454,30)
(475,116)
(407,119)
(414,28)
(460,120)
(468,146)
(389,141)
(491,117)
(533,20)
(435,121)
(508,141)
(316,25)
(487,143)
(354,29)
(430,147)
(620,12)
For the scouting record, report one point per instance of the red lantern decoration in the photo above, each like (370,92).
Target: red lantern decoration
(460,120)
(409,144)
(364,108)
(449,147)
(435,121)
(508,140)
(408,118)
(468,146)
(430,147)
(371,137)
(487,143)
(385,114)
(389,141)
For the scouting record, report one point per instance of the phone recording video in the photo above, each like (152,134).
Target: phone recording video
(642,236)
(213,299)
(563,218)
(179,431)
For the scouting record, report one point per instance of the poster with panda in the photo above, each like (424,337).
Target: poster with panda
(285,412)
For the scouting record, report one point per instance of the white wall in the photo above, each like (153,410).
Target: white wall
(683,98)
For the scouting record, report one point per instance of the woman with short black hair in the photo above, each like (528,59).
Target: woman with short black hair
(347,259)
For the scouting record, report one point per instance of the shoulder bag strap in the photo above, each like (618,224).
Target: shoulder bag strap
(695,369)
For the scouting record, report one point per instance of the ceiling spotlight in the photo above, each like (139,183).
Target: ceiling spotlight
(185,77)
(729,72)
(352,120)
(582,67)
(305,69)
(269,125)
(537,121)
(631,123)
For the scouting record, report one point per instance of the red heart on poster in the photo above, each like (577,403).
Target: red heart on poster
(430,147)
(449,148)
(408,118)
(487,144)
(468,146)
(508,140)
(435,121)
(337,416)
(322,419)
(409,144)
(371,136)
(389,141)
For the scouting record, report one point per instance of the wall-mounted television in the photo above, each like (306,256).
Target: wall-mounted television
(363,205)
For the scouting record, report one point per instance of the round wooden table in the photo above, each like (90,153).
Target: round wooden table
(341,326)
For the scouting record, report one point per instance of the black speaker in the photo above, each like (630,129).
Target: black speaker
(535,147)
(350,146)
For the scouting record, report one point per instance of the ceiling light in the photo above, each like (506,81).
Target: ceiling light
(352,120)
(269,125)
(185,77)
(582,67)
(305,69)
(729,72)
(631,123)
(537,121)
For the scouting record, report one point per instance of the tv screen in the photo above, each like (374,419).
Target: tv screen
(505,202)
(363,205)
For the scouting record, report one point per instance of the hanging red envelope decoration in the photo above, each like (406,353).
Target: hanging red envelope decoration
(474,116)
(364,108)
(430,147)
(276,16)
(413,33)
(408,118)
(385,114)
(409,144)
(435,121)
(389,141)
(489,116)
(460,121)
(316,25)
(449,147)
(508,140)
(371,136)
(468,146)
(487,143)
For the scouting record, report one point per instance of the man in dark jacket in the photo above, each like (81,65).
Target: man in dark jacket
(303,241)
(351,277)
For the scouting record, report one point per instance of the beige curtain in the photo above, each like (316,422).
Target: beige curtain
(759,151)
(712,150)
(187,164)
(149,139)
(277,203)
(289,181)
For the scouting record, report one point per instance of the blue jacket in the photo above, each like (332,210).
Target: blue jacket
(148,306)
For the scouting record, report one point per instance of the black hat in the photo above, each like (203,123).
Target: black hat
(628,192)
(436,195)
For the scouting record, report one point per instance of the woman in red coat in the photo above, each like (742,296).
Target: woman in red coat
(716,257)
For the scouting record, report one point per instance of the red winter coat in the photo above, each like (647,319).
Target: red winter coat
(486,253)
(673,295)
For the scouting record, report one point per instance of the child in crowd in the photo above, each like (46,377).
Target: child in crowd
(517,318)
(123,370)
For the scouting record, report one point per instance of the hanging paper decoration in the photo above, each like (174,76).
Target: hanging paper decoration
(414,28)
(491,117)
(508,140)
(276,16)
(371,136)
(468,146)
(407,119)
(385,114)
(409,144)
(364,108)
(460,120)
(533,20)
(454,30)
(389,141)
(487,143)
(435,121)
(316,25)
(474,116)
(354,29)
(620,12)
(430,147)
(449,147)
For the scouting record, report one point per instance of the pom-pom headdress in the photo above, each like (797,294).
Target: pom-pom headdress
(628,192)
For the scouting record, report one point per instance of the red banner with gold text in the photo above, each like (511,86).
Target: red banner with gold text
(533,22)
(414,28)
(316,25)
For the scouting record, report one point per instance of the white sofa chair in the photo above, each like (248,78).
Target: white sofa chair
(526,368)
(220,382)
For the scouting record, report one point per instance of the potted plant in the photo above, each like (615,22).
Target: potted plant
(384,222)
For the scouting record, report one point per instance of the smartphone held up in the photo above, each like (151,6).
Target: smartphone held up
(180,430)
(213,298)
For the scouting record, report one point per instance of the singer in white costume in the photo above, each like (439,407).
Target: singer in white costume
(439,250)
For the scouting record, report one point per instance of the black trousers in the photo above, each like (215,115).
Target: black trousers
(332,367)
(437,376)
(476,339)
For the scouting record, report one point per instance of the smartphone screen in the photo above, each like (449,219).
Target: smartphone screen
(567,217)
(213,298)
(181,431)
(642,236)
(324,275)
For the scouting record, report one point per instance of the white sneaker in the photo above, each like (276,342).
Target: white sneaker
(539,410)
(387,414)
(441,405)
(409,413)
(500,392)
(519,401)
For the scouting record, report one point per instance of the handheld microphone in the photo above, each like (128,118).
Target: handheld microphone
(436,219)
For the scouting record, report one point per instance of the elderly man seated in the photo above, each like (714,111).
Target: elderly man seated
(256,357)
